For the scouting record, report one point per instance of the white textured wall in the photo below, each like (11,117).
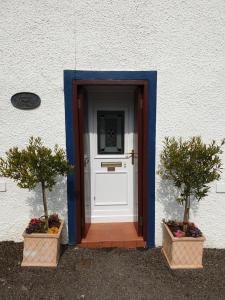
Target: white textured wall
(183,40)
(36,45)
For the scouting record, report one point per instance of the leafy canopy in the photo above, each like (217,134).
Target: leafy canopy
(191,165)
(34,164)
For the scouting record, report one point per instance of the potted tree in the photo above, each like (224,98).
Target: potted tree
(190,165)
(29,167)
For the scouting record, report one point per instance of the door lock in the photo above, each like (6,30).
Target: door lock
(86,161)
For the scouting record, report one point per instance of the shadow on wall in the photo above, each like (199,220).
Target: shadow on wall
(56,199)
(167,195)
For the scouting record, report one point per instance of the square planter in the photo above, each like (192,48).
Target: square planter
(184,252)
(41,249)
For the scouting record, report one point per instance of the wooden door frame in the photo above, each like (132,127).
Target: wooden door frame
(69,77)
(80,209)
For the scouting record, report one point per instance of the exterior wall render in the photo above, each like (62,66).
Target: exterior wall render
(183,41)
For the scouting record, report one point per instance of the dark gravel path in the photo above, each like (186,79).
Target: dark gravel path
(110,274)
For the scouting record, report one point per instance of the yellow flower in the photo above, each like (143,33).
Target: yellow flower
(53,230)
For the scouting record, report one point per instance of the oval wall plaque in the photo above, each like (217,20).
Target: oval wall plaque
(25,100)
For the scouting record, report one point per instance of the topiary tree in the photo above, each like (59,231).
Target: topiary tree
(191,165)
(36,164)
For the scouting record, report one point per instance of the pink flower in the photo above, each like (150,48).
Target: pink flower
(179,233)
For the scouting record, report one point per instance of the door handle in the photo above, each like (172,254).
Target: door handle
(131,154)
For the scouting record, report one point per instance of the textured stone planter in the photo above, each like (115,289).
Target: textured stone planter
(184,252)
(41,249)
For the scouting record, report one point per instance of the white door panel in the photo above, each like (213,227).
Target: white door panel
(110,188)
(112,191)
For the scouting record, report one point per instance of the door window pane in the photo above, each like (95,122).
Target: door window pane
(110,132)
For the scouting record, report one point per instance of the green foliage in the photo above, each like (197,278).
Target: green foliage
(191,165)
(34,164)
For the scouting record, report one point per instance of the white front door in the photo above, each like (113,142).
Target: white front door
(111,136)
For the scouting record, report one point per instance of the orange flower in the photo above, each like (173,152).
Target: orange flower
(54,230)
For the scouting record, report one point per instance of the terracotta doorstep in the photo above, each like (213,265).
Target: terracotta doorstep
(105,235)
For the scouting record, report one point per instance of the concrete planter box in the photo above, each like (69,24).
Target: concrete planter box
(184,252)
(41,249)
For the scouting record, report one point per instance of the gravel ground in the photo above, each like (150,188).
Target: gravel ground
(110,274)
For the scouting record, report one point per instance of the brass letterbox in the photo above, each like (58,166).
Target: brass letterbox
(111,164)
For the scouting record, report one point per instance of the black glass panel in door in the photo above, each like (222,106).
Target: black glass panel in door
(110,126)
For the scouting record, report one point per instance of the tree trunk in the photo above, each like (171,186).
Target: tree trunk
(45,203)
(186,213)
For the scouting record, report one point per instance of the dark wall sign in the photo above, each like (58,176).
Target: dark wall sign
(25,100)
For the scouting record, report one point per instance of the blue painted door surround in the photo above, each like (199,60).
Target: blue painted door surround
(151,77)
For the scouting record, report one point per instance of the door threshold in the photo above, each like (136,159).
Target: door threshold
(109,235)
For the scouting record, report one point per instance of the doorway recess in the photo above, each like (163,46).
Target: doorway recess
(76,84)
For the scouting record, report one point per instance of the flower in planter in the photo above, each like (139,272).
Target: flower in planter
(53,221)
(36,226)
(179,233)
(177,229)
(193,231)
(54,230)
(34,221)
(173,225)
